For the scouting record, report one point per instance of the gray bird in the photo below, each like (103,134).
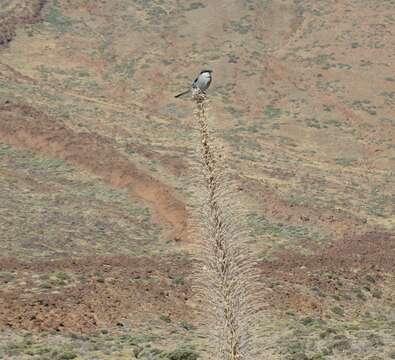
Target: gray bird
(202,82)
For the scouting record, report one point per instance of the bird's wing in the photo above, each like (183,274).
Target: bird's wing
(195,82)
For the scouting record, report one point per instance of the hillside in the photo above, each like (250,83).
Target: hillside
(97,172)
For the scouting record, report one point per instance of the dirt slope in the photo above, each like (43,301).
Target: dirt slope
(303,104)
(23,126)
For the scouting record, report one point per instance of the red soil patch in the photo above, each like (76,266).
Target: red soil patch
(350,260)
(127,288)
(23,126)
(332,222)
(26,12)
(138,288)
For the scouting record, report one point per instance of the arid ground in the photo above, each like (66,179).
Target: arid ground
(98,169)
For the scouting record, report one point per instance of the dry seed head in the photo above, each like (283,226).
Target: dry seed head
(225,279)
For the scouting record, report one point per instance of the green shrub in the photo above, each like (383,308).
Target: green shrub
(66,355)
(182,354)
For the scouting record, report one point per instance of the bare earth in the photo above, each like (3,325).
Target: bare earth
(97,172)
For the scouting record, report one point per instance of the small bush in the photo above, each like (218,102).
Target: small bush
(179,280)
(66,355)
(62,276)
(165,318)
(182,354)
(338,311)
(187,326)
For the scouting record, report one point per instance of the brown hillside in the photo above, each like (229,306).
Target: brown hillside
(97,169)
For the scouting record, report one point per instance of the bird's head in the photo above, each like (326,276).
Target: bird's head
(206,71)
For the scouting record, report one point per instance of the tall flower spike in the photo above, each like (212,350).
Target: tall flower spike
(226,277)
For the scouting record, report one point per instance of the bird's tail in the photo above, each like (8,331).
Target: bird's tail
(183,93)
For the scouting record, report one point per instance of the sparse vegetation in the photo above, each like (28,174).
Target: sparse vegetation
(95,176)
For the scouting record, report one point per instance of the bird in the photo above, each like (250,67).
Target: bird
(202,82)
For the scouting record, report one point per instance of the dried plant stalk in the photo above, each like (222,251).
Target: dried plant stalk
(226,276)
